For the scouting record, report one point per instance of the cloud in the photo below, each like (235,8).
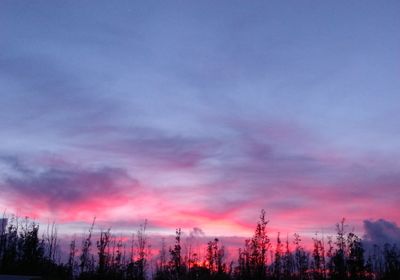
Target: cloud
(251,117)
(196,232)
(148,146)
(381,231)
(66,188)
(215,183)
(60,186)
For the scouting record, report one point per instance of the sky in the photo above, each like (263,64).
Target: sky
(198,114)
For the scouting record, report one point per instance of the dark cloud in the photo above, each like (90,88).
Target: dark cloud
(381,231)
(65,185)
(151,146)
(15,164)
(196,231)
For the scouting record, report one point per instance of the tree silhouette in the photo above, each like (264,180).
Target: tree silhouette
(23,251)
(301,258)
(278,267)
(86,265)
(318,258)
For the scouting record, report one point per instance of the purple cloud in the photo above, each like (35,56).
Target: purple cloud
(381,231)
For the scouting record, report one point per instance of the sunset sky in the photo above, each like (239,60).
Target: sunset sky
(200,113)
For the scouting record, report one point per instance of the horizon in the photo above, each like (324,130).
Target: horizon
(378,235)
(198,115)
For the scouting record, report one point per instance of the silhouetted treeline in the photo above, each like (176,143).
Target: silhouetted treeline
(105,256)
(24,252)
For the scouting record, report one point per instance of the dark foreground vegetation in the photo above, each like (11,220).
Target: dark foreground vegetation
(103,256)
